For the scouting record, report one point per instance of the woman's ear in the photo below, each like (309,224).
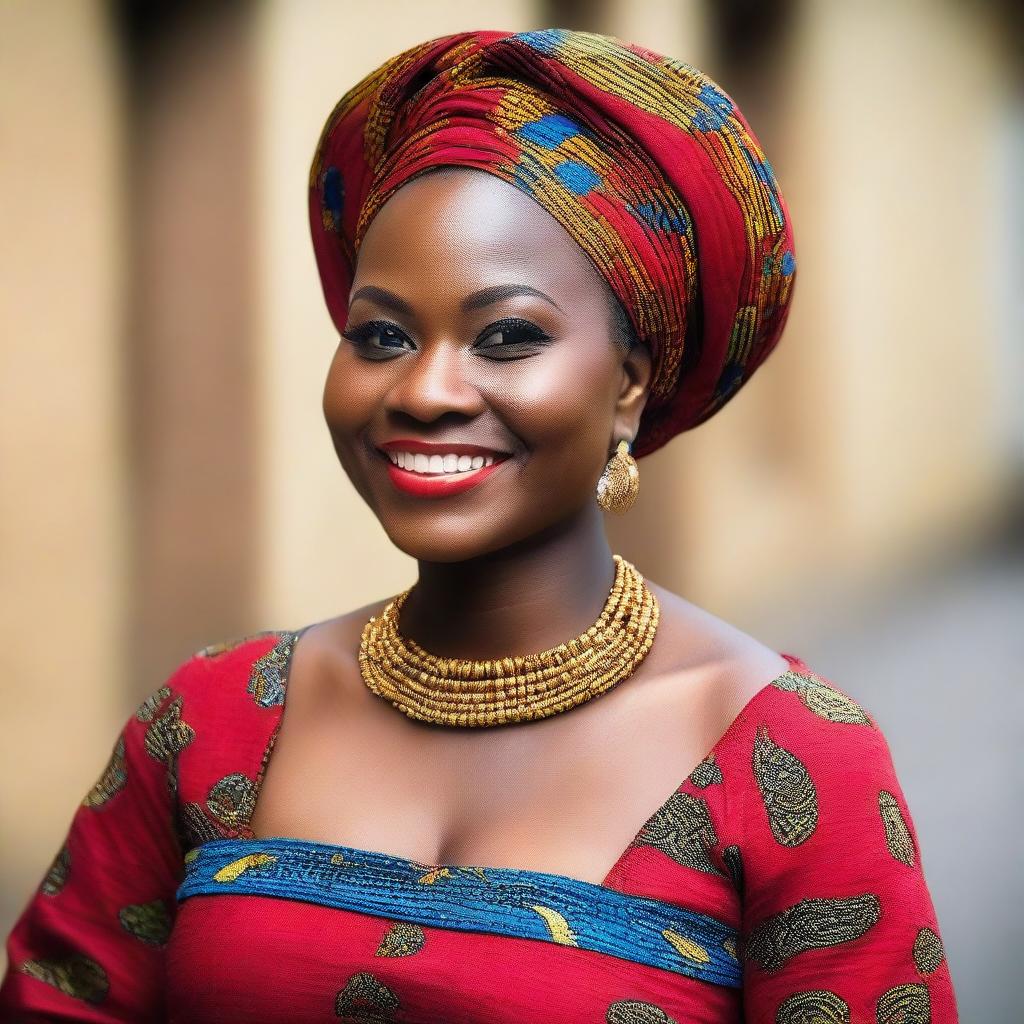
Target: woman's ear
(637,368)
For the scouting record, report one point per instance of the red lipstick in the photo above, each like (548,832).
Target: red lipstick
(439,485)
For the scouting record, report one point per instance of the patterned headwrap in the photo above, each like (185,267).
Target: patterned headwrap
(644,160)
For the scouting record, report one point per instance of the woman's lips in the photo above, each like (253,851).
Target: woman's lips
(439,485)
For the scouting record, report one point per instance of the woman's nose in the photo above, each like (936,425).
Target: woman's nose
(435,380)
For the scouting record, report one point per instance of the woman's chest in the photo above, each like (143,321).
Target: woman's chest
(565,795)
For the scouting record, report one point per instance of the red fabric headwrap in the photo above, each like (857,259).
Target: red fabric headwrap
(642,159)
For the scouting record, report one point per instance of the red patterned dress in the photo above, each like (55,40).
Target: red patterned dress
(780,883)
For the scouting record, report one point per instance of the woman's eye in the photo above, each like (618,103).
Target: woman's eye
(512,334)
(390,339)
(504,339)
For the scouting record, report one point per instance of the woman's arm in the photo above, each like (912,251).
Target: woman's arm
(838,922)
(90,944)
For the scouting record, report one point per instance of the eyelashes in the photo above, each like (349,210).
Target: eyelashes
(526,338)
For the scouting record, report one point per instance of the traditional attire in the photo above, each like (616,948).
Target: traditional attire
(780,883)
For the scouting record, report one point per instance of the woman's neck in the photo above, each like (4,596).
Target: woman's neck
(528,597)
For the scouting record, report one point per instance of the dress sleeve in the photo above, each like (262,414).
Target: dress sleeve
(89,946)
(837,920)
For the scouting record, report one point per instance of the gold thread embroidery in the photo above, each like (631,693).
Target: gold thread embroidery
(112,780)
(787,791)
(231,872)
(707,773)
(686,947)
(402,939)
(928,951)
(816,1007)
(905,1004)
(811,924)
(269,672)
(682,829)
(635,1011)
(558,926)
(897,835)
(366,999)
(76,976)
(819,696)
(147,710)
(149,922)
(57,874)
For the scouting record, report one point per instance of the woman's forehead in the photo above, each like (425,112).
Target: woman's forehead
(470,223)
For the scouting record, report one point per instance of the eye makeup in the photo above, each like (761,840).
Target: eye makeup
(526,337)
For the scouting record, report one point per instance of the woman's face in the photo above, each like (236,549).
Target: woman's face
(475,319)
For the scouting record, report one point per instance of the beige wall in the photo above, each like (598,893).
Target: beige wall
(63,518)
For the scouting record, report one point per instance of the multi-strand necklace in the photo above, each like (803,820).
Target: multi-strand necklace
(458,692)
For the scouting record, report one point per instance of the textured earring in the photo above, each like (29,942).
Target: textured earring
(617,489)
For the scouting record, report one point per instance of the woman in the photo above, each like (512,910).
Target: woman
(545,253)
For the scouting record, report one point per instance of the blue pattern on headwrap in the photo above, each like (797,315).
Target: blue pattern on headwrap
(546,40)
(577,177)
(716,107)
(549,130)
(662,219)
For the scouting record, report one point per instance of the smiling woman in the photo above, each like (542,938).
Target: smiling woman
(535,786)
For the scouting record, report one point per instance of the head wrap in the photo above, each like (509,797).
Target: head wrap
(644,160)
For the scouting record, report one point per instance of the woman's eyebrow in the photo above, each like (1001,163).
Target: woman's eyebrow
(479,299)
(389,300)
(485,296)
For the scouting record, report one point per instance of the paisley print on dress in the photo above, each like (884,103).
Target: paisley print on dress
(150,922)
(57,874)
(897,835)
(167,735)
(905,1004)
(149,707)
(270,672)
(810,924)
(558,927)
(816,1007)
(787,791)
(228,808)
(76,976)
(403,938)
(635,1011)
(821,698)
(687,947)
(233,871)
(232,800)
(928,951)
(194,827)
(365,999)
(707,773)
(111,781)
(683,830)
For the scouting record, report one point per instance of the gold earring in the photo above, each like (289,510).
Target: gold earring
(617,489)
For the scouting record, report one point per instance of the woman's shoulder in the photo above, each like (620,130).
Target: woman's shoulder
(251,667)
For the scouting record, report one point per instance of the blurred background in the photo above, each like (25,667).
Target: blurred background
(168,480)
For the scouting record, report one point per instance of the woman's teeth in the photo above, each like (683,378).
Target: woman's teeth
(439,464)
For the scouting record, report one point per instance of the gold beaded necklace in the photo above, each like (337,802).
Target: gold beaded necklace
(458,692)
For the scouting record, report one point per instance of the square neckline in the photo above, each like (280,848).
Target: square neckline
(795,663)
